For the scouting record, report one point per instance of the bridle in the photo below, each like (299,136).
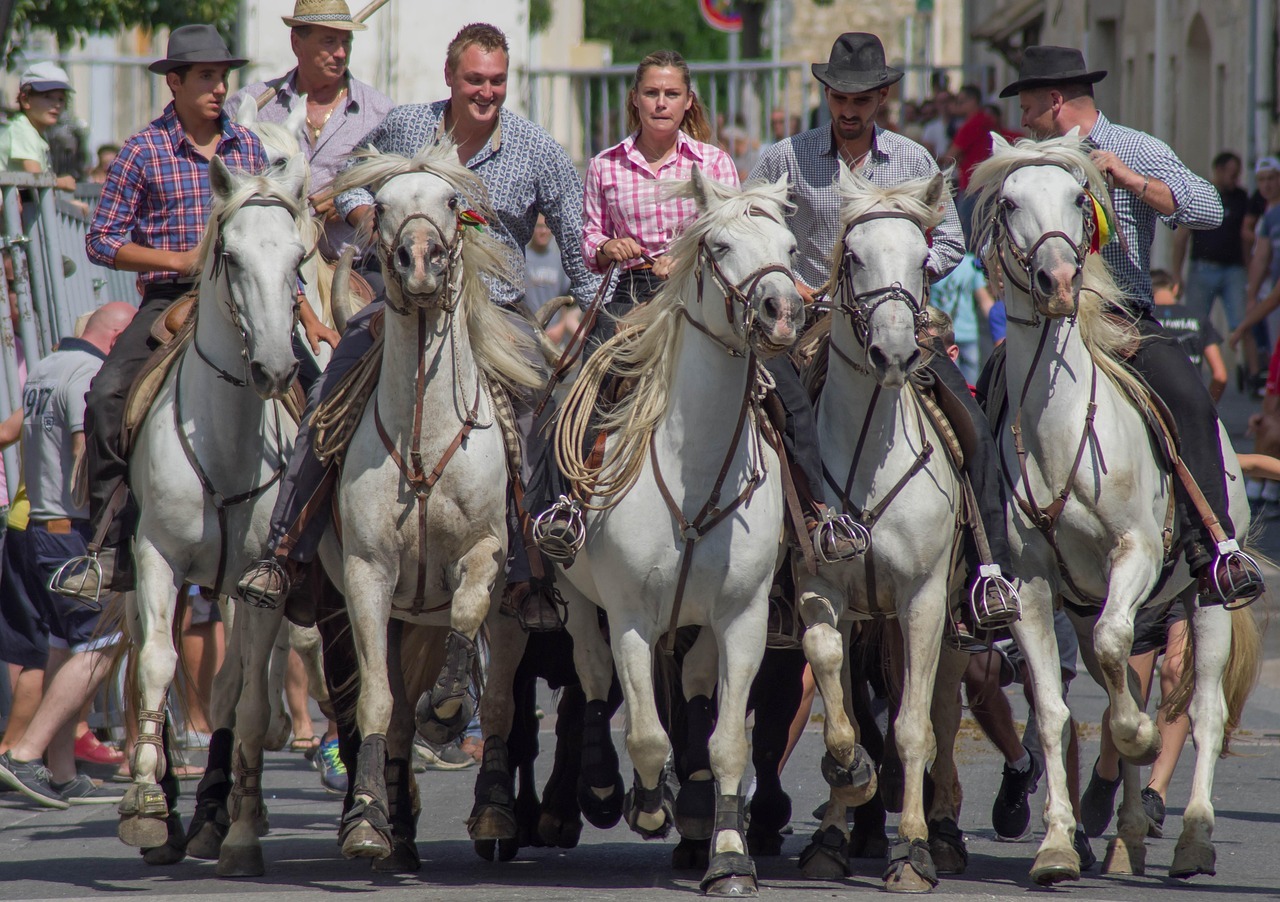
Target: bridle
(861,307)
(452,272)
(237,316)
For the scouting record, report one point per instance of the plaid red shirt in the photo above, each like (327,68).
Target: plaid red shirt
(623,199)
(157,191)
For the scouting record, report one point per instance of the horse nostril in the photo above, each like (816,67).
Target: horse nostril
(1044,282)
(403,258)
(878,358)
(770,309)
(911,361)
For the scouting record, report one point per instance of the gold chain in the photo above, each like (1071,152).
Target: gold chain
(317,129)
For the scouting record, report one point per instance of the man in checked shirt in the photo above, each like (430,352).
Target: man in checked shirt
(1055,91)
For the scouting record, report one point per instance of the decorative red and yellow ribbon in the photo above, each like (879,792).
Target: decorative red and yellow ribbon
(1104,227)
(473,219)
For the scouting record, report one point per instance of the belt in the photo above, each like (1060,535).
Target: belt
(59,527)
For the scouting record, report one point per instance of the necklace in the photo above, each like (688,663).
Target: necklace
(852,162)
(317,128)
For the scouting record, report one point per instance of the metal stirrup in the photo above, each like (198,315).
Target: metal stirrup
(992,613)
(1241,592)
(834,529)
(559,531)
(91,565)
(263,572)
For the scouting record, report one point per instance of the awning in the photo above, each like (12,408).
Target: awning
(1008,20)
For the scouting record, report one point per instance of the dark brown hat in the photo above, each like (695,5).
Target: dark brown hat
(193,44)
(856,64)
(1043,66)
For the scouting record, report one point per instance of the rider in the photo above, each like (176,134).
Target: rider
(1055,90)
(856,84)
(154,207)
(526,173)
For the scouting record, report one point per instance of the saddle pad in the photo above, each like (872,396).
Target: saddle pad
(336,417)
(949,419)
(146,385)
(174,318)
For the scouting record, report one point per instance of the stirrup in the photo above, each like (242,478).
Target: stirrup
(559,531)
(1244,586)
(256,584)
(839,538)
(993,599)
(72,589)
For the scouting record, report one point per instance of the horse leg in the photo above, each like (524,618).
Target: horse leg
(911,868)
(946,840)
(1132,576)
(241,852)
(731,871)
(560,822)
(775,697)
(1056,860)
(1212,629)
(1127,851)
(144,810)
(305,640)
(444,712)
(493,816)
(280,724)
(402,789)
(600,788)
(649,804)
(867,838)
(696,801)
(211,820)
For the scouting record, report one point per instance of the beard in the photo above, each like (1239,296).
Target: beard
(850,131)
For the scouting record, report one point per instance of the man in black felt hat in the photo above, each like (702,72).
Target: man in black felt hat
(154,206)
(1055,91)
(856,80)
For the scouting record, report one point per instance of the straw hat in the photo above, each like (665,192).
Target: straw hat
(327,13)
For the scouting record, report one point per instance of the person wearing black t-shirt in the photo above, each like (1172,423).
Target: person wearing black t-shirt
(1196,334)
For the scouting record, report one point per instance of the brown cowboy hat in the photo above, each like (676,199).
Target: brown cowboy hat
(1043,66)
(856,64)
(326,13)
(193,44)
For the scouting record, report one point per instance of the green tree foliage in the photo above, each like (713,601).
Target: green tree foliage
(636,28)
(71,20)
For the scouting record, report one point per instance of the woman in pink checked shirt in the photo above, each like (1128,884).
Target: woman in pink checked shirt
(625,220)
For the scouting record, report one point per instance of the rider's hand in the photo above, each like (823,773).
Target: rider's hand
(1121,175)
(806,293)
(187,262)
(361,215)
(663,265)
(620,250)
(315,330)
(323,204)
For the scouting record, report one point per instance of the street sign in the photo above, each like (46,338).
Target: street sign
(721,15)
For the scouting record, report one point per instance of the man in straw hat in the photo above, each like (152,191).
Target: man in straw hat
(341,109)
(153,210)
(856,81)
(1055,91)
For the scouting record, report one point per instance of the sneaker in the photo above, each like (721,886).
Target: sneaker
(91,751)
(1084,850)
(440,757)
(84,791)
(1153,805)
(333,773)
(1098,803)
(32,779)
(1010,812)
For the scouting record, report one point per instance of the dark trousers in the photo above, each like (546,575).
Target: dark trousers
(104,410)
(800,437)
(1163,363)
(635,287)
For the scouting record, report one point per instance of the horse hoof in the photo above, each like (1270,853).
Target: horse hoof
(486,848)
(732,886)
(492,822)
(1125,859)
(240,861)
(730,874)
(557,832)
(143,813)
(143,832)
(1055,866)
(208,829)
(507,848)
(647,823)
(174,848)
(600,811)
(363,841)
(696,809)
(402,860)
(827,856)
(1192,857)
(439,730)
(690,855)
(946,846)
(906,880)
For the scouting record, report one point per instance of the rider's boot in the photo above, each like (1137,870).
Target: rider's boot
(86,577)
(1232,578)
(994,599)
(535,604)
(836,536)
(266,583)
(559,531)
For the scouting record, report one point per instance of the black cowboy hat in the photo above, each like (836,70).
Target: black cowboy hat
(192,44)
(856,65)
(1043,65)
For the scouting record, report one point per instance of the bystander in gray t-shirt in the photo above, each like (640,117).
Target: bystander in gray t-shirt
(544,278)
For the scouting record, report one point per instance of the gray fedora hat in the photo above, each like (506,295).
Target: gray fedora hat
(192,44)
(856,64)
(1044,65)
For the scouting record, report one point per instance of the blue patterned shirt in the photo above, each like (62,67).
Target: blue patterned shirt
(526,173)
(812,164)
(1197,205)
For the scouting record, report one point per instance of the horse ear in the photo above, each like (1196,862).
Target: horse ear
(699,183)
(937,191)
(247,113)
(297,117)
(998,142)
(220,180)
(294,176)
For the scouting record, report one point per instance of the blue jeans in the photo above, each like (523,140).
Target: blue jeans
(1216,280)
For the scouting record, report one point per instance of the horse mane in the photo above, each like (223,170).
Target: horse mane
(860,196)
(501,350)
(246,186)
(1108,333)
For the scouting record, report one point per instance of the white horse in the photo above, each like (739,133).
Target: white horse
(886,465)
(204,471)
(423,491)
(690,534)
(1073,410)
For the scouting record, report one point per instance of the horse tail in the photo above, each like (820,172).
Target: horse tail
(1244,664)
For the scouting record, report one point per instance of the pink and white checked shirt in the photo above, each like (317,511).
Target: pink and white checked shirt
(622,198)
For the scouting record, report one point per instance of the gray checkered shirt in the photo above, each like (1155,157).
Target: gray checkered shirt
(812,164)
(1198,205)
(526,173)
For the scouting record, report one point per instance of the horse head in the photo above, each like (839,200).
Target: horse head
(880,283)
(252,251)
(1040,211)
(741,245)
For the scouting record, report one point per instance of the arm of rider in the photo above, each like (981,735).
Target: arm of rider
(620,250)
(1181,240)
(806,293)
(316,330)
(136,258)
(322,203)
(11,429)
(1150,190)
(1217,371)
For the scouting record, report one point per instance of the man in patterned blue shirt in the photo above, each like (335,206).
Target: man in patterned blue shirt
(1055,91)
(526,173)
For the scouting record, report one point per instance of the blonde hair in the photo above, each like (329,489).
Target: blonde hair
(695,123)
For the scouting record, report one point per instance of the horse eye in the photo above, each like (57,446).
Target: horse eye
(1081,200)
(453,203)
(855,259)
(719,248)
(1008,204)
